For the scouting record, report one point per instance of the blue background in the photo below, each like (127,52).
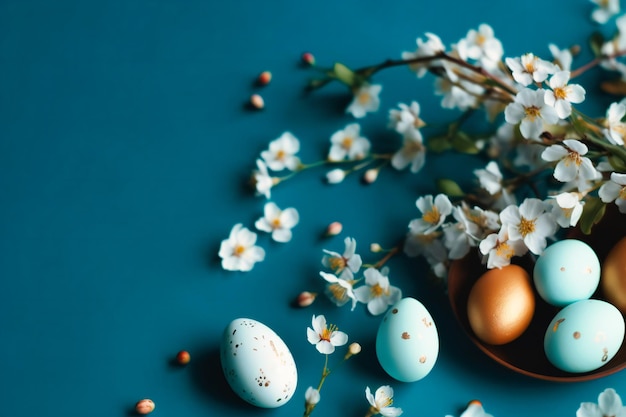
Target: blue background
(125,146)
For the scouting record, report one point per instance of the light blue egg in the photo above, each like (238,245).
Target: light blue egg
(567,271)
(407,342)
(257,363)
(584,336)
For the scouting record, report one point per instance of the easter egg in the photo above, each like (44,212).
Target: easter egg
(584,336)
(567,271)
(501,304)
(407,342)
(613,281)
(257,363)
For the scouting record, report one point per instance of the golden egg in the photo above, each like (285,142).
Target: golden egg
(613,278)
(501,305)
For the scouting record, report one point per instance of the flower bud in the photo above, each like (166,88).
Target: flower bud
(305,299)
(335,176)
(264,78)
(375,247)
(334,229)
(256,101)
(370,175)
(311,396)
(308,58)
(353,349)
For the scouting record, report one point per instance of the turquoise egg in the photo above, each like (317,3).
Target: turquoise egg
(257,364)
(567,271)
(584,336)
(407,342)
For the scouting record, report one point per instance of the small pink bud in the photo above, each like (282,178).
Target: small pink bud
(257,101)
(334,229)
(308,58)
(370,175)
(145,406)
(183,357)
(305,299)
(264,78)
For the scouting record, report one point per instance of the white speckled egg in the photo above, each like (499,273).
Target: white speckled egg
(407,342)
(584,336)
(257,363)
(567,271)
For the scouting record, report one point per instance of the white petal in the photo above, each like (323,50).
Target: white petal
(312,336)
(565,170)
(563,108)
(282,235)
(289,217)
(319,323)
(554,153)
(531,129)
(363,294)
(325,347)
(609,192)
(575,93)
(377,306)
(514,113)
(338,338)
(559,79)
(263,225)
(370,397)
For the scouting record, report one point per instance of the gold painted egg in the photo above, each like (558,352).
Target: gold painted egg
(501,305)
(613,279)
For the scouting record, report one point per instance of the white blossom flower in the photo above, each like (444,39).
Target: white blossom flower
(377,293)
(530,109)
(325,338)
(609,404)
(529,222)
(566,208)
(340,289)
(459,237)
(481,45)
(412,152)
(335,176)
(562,95)
(311,396)
(499,249)
(238,252)
(365,100)
(490,178)
(348,144)
(262,180)
(571,163)
(431,47)
(407,118)
(278,222)
(474,409)
(605,10)
(380,402)
(460,95)
(562,57)
(434,213)
(615,129)
(282,153)
(615,190)
(529,68)
(349,261)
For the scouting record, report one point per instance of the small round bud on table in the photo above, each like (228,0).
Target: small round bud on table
(264,78)
(308,58)
(145,406)
(334,229)
(183,357)
(256,101)
(305,299)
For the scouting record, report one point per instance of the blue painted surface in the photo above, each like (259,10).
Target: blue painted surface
(125,145)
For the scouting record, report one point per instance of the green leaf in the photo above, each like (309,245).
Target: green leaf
(449,187)
(317,83)
(593,211)
(617,163)
(438,143)
(344,74)
(464,144)
(596,40)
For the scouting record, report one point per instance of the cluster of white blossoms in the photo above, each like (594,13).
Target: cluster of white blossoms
(341,285)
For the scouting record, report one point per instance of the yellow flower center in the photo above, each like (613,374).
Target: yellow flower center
(239,250)
(560,93)
(337,263)
(504,250)
(622,194)
(377,290)
(532,111)
(480,39)
(347,142)
(276,223)
(280,155)
(414,147)
(575,158)
(326,334)
(338,292)
(530,66)
(363,98)
(432,216)
(526,226)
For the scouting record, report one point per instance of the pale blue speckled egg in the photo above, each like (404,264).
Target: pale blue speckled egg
(567,271)
(257,363)
(584,336)
(407,342)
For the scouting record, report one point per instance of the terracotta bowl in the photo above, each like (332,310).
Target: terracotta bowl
(525,355)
